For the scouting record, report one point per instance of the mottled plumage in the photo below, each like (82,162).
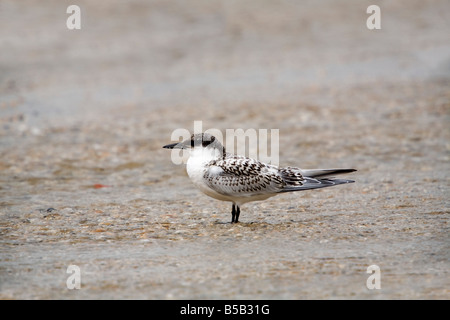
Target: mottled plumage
(239,179)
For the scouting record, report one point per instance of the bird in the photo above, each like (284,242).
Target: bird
(239,179)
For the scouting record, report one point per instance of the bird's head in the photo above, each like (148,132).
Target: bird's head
(198,140)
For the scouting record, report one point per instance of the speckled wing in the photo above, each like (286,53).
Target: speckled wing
(243,177)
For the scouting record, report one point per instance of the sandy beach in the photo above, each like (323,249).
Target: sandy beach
(84,180)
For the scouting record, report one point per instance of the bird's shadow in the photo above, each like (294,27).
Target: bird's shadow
(238,223)
(256,223)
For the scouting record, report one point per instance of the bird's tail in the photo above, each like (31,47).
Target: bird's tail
(324,173)
(312,178)
(312,183)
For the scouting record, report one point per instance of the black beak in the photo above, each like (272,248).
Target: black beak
(177,145)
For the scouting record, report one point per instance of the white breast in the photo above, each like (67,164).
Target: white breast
(196,167)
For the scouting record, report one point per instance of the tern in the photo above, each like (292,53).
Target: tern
(238,179)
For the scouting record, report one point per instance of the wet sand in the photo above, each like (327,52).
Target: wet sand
(84,180)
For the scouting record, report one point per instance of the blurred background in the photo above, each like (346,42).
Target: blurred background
(84,114)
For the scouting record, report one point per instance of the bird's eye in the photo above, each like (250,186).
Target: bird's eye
(197,142)
(206,142)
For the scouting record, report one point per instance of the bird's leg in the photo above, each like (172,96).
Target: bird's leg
(238,212)
(233,213)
